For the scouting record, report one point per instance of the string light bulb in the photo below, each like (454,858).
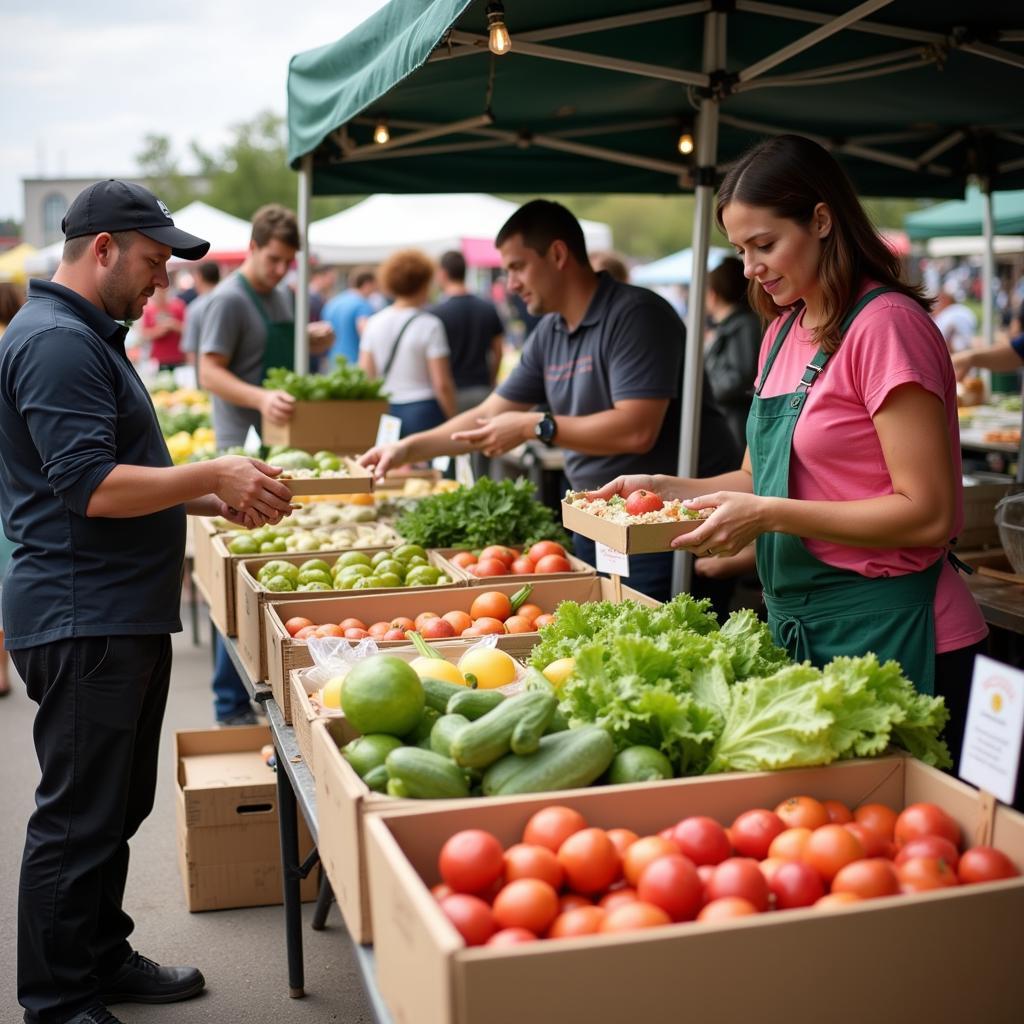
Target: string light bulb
(381,133)
(685,143)
(498,39)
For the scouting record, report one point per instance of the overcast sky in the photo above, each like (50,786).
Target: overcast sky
(84,81)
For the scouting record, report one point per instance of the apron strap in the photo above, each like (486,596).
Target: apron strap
(779,339)
(256,300)
(394,348)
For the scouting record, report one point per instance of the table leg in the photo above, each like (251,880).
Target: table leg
(323,902)
(290,881)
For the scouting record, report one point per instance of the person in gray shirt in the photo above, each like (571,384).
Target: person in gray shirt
(206,280)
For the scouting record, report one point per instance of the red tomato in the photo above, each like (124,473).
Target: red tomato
(518,624)
(356,634)
(873,843)
(673,884)
(293,625)
(877,817)
(705,871)
(590,860)
(511,937)
(802,812)
(632,916)
(725,909)
(490,567)
(352,624)
(702,839)
(753,831)
(622,838)
(641,502)
(423,618)
(838,812)
(769,866)
(378,629)
(584,920)
(925,820)
(395,634)
(306,632)
(830,848)
(543,620)
(437,629)
(526,861)
(789,845)
(459,621)
(403,622)
(491,604)
(553,563)
(463,559)
(471,860)
(616,898)
(530,611)
(329,629)
(471,916)
(526,903)
(836,900)
(499,552)
(486,626)
(796,884)
(739,876)
(543,548)
(440,891)
(985,864)
(572,900)
(522,567)
(551,826)
(921,874)
(642,852)
(930,846)
(868,878)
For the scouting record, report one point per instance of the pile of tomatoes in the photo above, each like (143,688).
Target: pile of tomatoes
(544,557)
(566,879)
(490,612)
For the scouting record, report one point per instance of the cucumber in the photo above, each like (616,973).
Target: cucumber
(563,760)
(438,693)
(444,731)
(474,704)
(515,724)
(423,727)
(424,775)
(377,778)
(536,681)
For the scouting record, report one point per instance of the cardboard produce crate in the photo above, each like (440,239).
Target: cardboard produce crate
(285,654)
(229,845)
(949,955)
(642,538)
(203,532)
(579,569)
(344,427)
(250,598)
(358,481)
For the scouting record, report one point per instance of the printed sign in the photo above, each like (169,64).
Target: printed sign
(389,430)
(611,561)
(441,463)
(995,722)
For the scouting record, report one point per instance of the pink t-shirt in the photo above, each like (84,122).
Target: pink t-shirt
(836,452)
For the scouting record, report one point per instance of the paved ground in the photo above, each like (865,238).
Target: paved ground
(241,952)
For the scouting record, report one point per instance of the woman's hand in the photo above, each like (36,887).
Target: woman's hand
(625,486)
(736,521)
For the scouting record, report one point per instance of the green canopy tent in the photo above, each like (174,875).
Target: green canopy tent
(967,216)
(913,98)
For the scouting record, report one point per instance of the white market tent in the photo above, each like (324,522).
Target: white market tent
(467,221)
(676,268)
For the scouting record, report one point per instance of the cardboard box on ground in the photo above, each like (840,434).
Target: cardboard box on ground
(229,846)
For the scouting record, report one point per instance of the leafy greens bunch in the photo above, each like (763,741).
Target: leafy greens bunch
(489,512)
(346,382)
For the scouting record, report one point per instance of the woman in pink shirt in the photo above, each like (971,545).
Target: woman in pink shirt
(851,486)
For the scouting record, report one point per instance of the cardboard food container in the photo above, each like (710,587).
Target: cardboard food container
(285,654)
(229,845)
(948,955)
(641,538)
(333,426)
(250,598)
(579,568)
(203,532)
(359,480)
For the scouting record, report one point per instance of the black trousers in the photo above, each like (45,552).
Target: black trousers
(953,673)
(97,732)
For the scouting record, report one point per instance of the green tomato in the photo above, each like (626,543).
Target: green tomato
(416,560)
(328,463)
(261,535)
(387,579)
(315,563)
(366,583)
(381,556)
(279,584)
(243,545)
(277,567)
(315,576)
(346,582)
(306,544)
(355,570)
(313,586)
(390,565)
(353,558)
(407,551)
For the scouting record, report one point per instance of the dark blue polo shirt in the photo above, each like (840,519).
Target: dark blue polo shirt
(72,407)
(630,344)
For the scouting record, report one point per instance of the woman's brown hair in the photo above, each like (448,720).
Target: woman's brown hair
(790,175)
(406,273)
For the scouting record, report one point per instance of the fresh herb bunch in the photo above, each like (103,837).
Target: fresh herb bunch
(489,512)
(346,382)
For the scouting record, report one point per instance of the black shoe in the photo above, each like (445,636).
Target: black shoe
(244,717)
(142,981)
(95,1015)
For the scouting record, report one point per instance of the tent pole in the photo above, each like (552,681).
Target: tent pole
(704,196)
(302,283)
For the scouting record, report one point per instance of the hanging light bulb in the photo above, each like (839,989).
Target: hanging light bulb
(498,39)
(381,133)
(686,143)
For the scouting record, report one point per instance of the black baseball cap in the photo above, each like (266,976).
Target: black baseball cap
(113,205)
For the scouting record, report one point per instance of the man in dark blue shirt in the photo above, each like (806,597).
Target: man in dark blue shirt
(606,358)
(97,515)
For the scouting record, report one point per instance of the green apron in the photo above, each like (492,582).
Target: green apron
(815,610)
(280,347)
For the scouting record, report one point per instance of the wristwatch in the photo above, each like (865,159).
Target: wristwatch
(546,429)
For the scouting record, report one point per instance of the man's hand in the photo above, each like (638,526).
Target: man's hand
(248,485)
(500,433)
(277,407)
(624,486)
(321,336)
(383,457)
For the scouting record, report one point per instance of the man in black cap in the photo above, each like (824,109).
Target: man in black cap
(97,513)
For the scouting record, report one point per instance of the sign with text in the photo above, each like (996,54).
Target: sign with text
(611,561)
(995,723)
(389,430)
